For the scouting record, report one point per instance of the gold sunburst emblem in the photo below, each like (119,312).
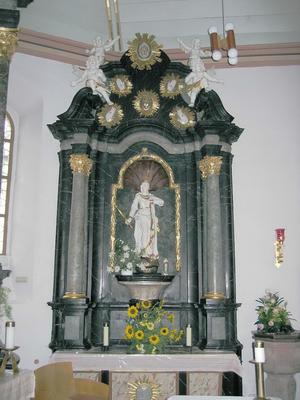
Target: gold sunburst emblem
(143,389)
(146,103)
(170,86)
(110,115)
(121,85)
(144,51)
(182,117)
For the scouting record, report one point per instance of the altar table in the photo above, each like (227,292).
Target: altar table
(200,372)
(18,386)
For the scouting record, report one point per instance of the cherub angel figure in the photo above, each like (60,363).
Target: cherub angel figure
(99,48)
(198,78)
(94,78)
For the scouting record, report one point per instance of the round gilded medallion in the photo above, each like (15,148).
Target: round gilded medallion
(170,86)
(182,117)
(110,115)
(146,103)
(121,85)
(143,390)
(144,51)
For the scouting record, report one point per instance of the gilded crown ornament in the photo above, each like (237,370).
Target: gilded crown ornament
(182,117)
(110,115)
(144,51)
(121,85)
(146,103)
(8,42)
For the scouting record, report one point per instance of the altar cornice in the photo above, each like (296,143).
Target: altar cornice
(74,52)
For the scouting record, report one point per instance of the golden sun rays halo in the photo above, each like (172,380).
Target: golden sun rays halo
(146,103)
(170,85)
(182,117)
(110,115)
(120,85)
(143,386)
(144,51)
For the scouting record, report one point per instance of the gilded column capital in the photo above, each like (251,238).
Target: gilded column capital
(210,165)
(8,41)
(81,164)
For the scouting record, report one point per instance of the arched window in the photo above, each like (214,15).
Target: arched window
(5,180)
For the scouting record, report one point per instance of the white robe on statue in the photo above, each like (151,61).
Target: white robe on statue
(146,223)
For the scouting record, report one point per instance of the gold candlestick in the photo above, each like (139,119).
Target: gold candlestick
(9,355)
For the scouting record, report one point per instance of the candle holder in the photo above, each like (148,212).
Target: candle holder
(9,355)
(259,360)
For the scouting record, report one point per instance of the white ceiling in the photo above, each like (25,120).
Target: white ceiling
(255,21)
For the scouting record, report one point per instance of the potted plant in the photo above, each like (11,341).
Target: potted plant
(272,315)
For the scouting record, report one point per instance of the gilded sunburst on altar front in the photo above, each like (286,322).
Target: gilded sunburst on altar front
(121,85)
(143,389)
(110,115)
(182,117)
(146,103)
(144,51)
(170,86)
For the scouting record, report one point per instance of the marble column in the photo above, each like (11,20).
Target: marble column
(210,167)
(81,166)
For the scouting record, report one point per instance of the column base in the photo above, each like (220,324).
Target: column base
(70,324)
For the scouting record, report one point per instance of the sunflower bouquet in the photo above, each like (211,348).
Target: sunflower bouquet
(149,328)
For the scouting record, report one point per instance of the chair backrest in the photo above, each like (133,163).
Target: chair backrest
(54,381)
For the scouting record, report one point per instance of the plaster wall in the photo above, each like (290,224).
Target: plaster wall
(266,193)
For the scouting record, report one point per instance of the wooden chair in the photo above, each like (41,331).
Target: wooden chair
(55,382)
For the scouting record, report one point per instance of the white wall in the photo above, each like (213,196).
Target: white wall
(266,192)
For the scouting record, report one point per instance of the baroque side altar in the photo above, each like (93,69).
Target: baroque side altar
(145,183)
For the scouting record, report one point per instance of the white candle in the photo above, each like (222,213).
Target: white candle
(106,335)
(188,336)
(9,335)
(259,353)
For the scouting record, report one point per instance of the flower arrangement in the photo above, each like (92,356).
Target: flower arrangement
(123,258)
(273,316)
(149,328)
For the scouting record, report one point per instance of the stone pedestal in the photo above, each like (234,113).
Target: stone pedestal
(282,362)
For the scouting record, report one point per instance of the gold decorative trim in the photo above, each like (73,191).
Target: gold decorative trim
(121,85)
(146,103)
(110,115)
(170,86)
(182,117)
(81,164)
(145,155)
(214,296)
(8,41)
(210,165)
(74,295)
(143,384)
(144,51)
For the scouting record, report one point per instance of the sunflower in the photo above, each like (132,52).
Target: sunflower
(129,332)
(154,339)
(132,312)
(150,326)
(164,331)
(146,304)
(139,335)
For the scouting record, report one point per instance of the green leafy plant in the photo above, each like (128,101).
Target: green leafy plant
(273,316)
(123,258)
(149,328)
(5,308)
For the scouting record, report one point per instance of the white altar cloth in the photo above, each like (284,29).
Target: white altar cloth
(216,398)
(201,361)
(18,386)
